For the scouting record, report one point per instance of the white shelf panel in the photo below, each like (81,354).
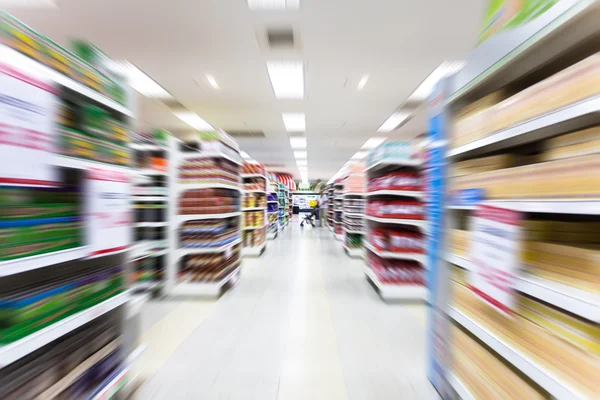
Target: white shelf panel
(77,163)
(150,224)
(459,261)
(460,388)
(211,154)
(349,214)
(391,162)
(148,147)
(148,199)
(354,232)
(151,172)
(538,128)
(113,386)
(254,250)
(353,194)
(404,193)
(65,81)
(577,301)
(565,206)
(181,252)
(17,266)
(396,256)
(273,201)
(250,228)
(399,221)
(339,210)
(396,292)
(255,191)
(546,379)
(12,352)
(182,187)
(254,209)
(253,176)
(192,217)
(203,288)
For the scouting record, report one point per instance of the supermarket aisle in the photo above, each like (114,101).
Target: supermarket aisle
(303,323)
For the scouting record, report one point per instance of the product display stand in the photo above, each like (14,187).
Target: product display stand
(79,268)
(205,221)
(330,208)
(255,202)
(354,208)
(273,208)
(338,210)
(523,157)
(395,223)
(151,201)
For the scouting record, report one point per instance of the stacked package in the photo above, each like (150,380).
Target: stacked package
(210,267)
(355,182)
(209,233)
(202,170)
(397,272)
(209,201)
(394,152)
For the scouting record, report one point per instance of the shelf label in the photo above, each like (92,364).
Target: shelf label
(27,134)
(494,252)
(108,211)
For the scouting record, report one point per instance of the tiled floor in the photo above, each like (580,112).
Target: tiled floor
(303,323)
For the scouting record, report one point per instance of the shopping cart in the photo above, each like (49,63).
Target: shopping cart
(308,218)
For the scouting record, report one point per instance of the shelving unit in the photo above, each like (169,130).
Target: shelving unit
(188,275)
(395,222)
(75,186)
(330,207)
(526,144)
(255,203)
(273,208)
(338,210)
(353,204)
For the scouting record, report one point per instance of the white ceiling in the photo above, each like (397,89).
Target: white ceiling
(398,43)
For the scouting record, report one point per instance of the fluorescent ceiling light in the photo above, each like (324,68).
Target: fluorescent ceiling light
(445,69)
(301,155)
(373,142)
(301,163)
(28,3)
(294,122)
(211,79)
(193,120)
(287,78)
(298,142)
(392,122)
(274,4)
(359,155)
(138,80)
(363,82)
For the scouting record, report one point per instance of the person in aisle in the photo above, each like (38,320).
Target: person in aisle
(322,203)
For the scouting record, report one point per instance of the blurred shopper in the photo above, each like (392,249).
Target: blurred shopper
(322,205)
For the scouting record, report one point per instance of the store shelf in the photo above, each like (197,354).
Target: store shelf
(354,232)
(113,385)
(459,261)
(393,163)
(355,253)
(349,214)
(396,292)
(149,285)
(151,172)
(63,80)
(554,206)
(182,252)
(150,224)
(193,217)
(395,255)
(183,187)
(149,199)
(422,224)
(250,228)
(17,266)
(253,209)
(403,193)
(147,147)
(338,210)
(273,201)
(569,118)
(253,176)
(353,195)
(254,250)
(577,301)
(255,191)
(271,235)
(539,374)
(459,387)
(204,288)
(78,163)
(211,154)
(12,352)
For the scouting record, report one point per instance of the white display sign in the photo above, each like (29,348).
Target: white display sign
(27,134)
(108,211)
(494,253)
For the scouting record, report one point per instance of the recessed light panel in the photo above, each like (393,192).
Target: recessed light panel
(273,4)
(294,122)
(138,80)
(193,120)
(287,78)
(298,142)
(392,122)
(373,142)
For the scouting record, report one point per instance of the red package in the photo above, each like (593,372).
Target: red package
(379,238)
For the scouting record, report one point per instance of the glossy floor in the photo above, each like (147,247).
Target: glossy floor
(303,323)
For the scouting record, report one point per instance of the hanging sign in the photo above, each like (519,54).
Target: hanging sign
(27,135)
(108,211)
(494,253)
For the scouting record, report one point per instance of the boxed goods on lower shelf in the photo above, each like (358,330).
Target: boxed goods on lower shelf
(576,144)
(396,209)
(397,272)
(254,200)
(397,241)
(253,219)
(209,201)
(254,238)
(561,354)
(209,233)
(69,368)
(353,223)
(484,374)
(209,267)
(24,310)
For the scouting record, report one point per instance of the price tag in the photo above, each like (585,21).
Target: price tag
(27,134)
(494,252)
(108,211)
